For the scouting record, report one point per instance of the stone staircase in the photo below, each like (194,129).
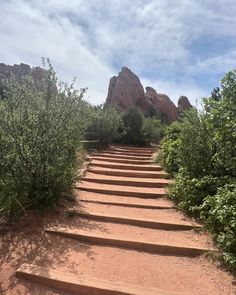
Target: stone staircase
(139,242)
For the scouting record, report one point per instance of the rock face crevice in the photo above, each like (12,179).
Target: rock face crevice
(126,90)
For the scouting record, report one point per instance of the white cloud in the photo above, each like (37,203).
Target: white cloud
(220,63)
(28,34)
(91,39)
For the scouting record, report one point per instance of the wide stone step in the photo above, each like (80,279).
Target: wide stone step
(81,285)
(132,149)
(128,173)
(172,273)
(131,153)
(130,202)
(121,190)
(188,238)
(124,204)
(123,161)
(120,166)
(120,156)
(164,216)
(132,244)
(104,179)
(132,221)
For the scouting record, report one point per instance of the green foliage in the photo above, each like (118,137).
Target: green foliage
(40,129)
(219,214)
(169,148)
(132,127)
(181,139)
(220,117)
(105,123)
(137,130)
(152,131)
(201,149)
(195,149)
(190,192)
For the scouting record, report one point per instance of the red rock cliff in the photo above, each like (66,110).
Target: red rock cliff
(126,90)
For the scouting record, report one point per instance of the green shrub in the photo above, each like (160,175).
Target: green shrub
(168,156)
(131,130)
(40,129)
(152,131)
(105,123)
(195,147)
(220,117)
(201,149)
(190,192)
(218,212)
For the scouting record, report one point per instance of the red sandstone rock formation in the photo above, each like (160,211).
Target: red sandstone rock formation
(184,104)
(22,70)
(162,104)
(18,71)
(126,91)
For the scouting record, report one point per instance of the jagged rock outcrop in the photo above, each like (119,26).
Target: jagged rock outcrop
(20,71)
(126,90)
(162,104)
(183,104)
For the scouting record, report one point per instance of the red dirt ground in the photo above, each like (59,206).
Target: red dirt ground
(27,242)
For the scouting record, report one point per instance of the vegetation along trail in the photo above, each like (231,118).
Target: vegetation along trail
(124,236)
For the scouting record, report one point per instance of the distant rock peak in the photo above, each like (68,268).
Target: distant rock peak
(184,104)
(126,90)
(20,71)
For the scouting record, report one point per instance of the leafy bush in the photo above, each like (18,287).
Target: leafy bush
(220,117)
(169,148)
(201,149)
(131,130)
(105,123)
(151,131)
(40,129)
(137,130)
(195,147)
(219,214)
(190,192)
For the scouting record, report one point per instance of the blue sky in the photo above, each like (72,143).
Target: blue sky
(180,47)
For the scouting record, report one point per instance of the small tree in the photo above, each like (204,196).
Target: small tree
(132,126)
(105,123)
(220,118)
(152,130)
(169,153)
(40,129)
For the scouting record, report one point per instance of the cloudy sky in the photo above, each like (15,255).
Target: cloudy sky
(176,46)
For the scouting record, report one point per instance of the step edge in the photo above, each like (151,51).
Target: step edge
(122,204)
(128,173)
(155,180)
(129,219)
(110,155)
(57,279)
(122,161)
(150,184)
(121,193)
(138,243)
(120,166)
